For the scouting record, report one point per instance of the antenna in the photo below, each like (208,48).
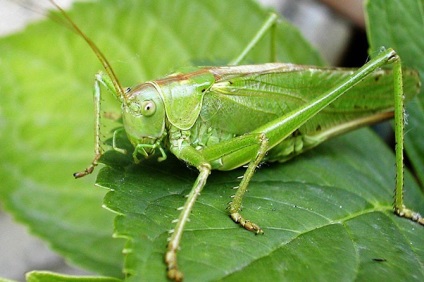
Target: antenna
(96,50)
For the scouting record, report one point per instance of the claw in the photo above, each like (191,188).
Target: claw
(409,214)
(173,272)
(89,169)
(85,172)
(247,224)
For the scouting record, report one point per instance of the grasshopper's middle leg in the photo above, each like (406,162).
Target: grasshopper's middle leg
(174,241)
(200,160)
(236,204)
(193,157)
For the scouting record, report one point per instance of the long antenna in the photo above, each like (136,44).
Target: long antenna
(96,50)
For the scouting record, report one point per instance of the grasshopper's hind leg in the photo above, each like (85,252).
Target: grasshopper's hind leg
(269,24)
(235,205)
(399,207)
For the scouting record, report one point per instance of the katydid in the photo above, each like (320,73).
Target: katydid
(222,118)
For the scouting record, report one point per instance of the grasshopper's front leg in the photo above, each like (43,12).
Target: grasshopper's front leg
(97,142)
(104,80)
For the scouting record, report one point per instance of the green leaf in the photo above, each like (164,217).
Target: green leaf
(328,211)
(326,215)
(399,25)
(45,136)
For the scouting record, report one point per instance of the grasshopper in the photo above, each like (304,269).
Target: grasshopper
(207,136)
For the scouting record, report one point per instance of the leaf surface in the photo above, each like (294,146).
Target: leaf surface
(328,211)
(326,215)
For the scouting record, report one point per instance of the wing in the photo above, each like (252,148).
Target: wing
(246,97)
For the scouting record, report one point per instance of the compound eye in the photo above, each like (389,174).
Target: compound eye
(148,108)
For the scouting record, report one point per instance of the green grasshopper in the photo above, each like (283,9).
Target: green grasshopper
(192,115)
